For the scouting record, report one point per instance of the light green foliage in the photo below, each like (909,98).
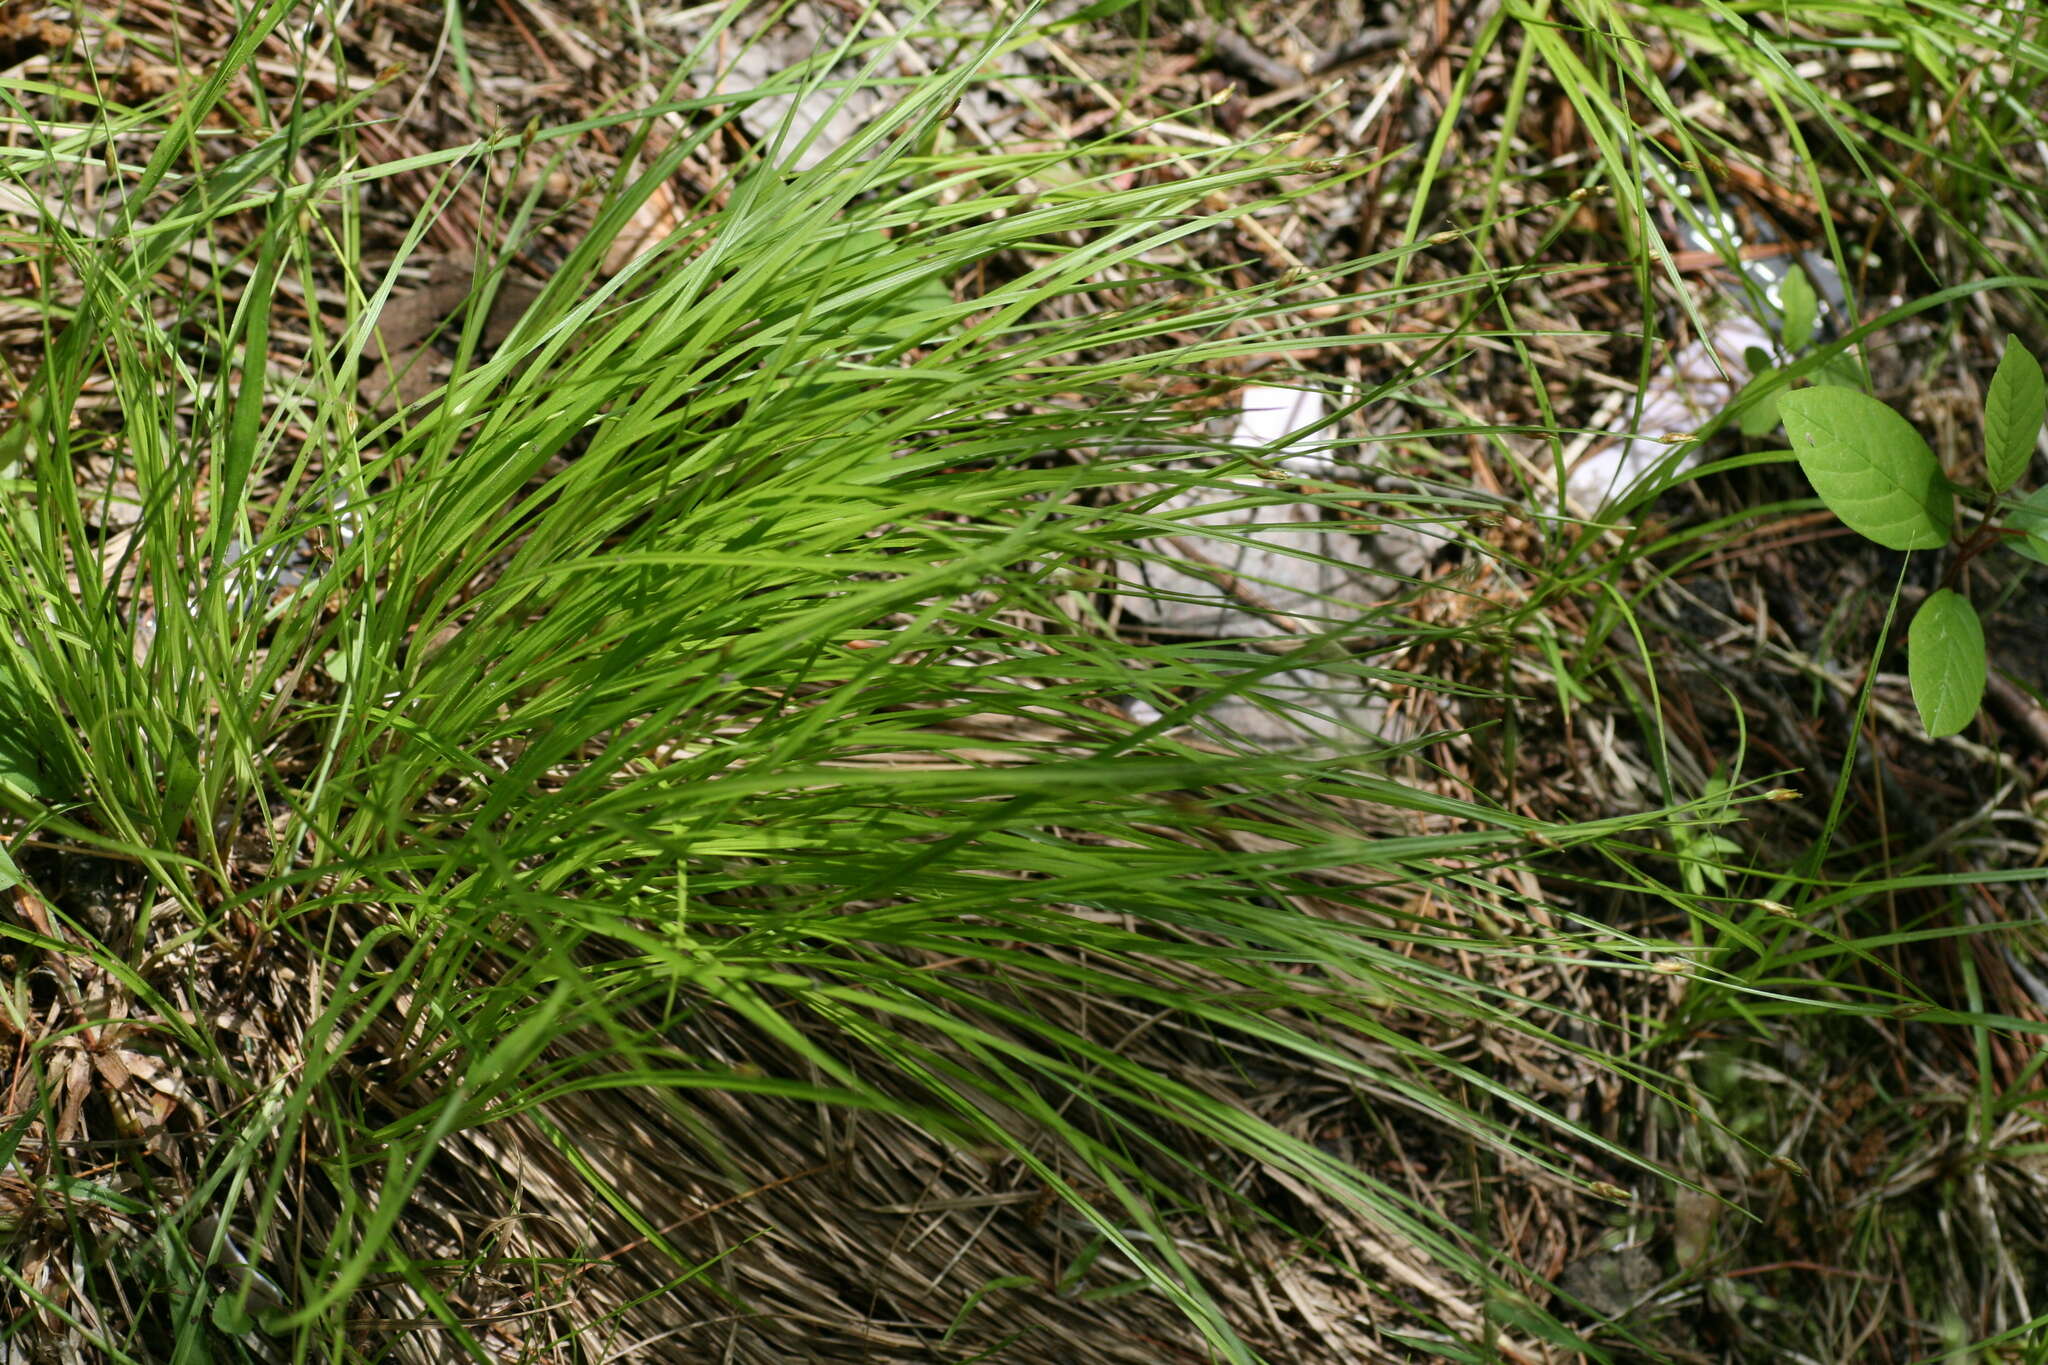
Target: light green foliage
(1945,658)
(1875,472)
(2029,518)
(623,697)
(21,771)
(1759,415)
(1703,851)
(1800,309)
(616,746)
(1798,313)
(905,299)
(2013,410)
(1870,467)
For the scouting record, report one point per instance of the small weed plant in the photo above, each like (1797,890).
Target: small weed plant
(1874,471)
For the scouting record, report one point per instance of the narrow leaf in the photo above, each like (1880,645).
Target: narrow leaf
(1870,467)
(19,767)
(2012,414)
(1945,660)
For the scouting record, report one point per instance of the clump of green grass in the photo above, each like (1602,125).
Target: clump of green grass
(473,851)
(605,740)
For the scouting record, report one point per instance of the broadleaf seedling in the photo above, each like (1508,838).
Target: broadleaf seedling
(2012,415)
(1799,307)
(1798,313)
(1870,467)
(1876,473)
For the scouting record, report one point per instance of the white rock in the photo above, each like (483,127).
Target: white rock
(1268,415)
(1690,388)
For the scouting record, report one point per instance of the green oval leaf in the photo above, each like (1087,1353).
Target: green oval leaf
(231,1317)
(2012,414)
(1840,371)
(1870,467)
(2030,518)
(1760,417)
(1945,660)
(1799,307)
